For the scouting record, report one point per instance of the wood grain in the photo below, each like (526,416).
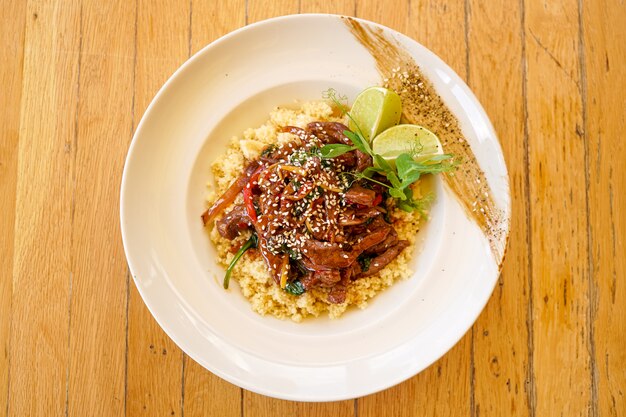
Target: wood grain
(445,386)
(204,393)
(395,17)
(559,258)
(43,211)
(343,7)
(97,341)
(75,336)
(12,16)
(210,20)
(503,378)
(255,405)
(604,53)
(264,9)
(155,363)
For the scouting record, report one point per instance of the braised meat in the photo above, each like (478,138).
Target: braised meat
(361,195)
(233,222)
(381,261)
(316,222)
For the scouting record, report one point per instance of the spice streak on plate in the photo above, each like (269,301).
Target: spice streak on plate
(423,106)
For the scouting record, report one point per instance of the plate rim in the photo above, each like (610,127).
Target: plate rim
(181,342)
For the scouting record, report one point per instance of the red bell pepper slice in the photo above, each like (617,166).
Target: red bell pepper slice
(247,195)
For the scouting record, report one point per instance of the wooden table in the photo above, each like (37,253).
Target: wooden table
(76,338)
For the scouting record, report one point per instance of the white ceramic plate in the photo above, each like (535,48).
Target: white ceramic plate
(233,84)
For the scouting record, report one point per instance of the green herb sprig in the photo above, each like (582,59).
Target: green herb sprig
(251,243)
(405,172)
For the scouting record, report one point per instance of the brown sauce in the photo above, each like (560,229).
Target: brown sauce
(423,106)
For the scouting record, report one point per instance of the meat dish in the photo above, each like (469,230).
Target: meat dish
(317,223)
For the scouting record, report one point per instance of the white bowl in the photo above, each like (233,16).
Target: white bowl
(233,84)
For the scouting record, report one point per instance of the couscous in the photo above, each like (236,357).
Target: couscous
(252,272)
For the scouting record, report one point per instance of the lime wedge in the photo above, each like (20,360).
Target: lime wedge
(412,139)
(375,110)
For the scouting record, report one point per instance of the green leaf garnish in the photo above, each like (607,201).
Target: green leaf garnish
(406,171)
(364,262)
(358,141)
(252,242)
(335,149)
(295,287)
(420,205)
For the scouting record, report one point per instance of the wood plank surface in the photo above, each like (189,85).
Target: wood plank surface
(503,378)
(38,363)
(97,340)
(604,72)
(75,336)
(12,19)
(204,393)
(258,10)
(154,385)
(395,17)
(343,7)
(445,386)
(558,216)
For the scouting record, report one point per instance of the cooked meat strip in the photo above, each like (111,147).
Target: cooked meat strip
(311,266)
(329,132)
(328,278)
(361,195)
(327,254)
(376,222)
(359,217)
(348,160)
(381,261)
(355,271)
(363,161)
(233,222)
(368,212)
(338,292)
(367,240)
(309,280)
(333,255)
(390,240)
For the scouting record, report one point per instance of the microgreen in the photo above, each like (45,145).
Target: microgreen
(341,101)
(420,205)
